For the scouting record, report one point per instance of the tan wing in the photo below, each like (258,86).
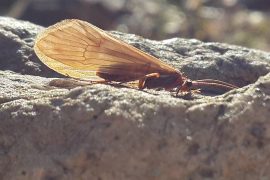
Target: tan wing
(78,49)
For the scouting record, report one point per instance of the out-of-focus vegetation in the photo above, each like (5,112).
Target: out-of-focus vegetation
(241,22)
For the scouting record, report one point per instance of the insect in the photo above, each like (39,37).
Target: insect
(81,50)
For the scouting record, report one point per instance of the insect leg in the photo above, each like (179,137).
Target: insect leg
(143,79)
(88,80)
(67,83)
(74,82)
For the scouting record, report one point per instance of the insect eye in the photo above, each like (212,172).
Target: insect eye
(189,83)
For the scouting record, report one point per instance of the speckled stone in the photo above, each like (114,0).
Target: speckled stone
(108,132)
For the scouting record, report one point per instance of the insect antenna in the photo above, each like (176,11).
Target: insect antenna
(213,86)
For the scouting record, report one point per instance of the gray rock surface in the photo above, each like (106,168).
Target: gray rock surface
(107,132)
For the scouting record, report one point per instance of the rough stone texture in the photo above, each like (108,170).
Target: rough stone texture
(106,132)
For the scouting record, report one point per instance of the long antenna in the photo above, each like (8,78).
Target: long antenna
(213,86)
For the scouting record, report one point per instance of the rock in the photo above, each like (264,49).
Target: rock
(110,132)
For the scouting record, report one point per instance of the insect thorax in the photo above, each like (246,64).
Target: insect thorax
(165,81)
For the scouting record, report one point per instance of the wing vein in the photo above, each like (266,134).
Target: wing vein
(70,33)
(61,44)
(87,32)
(65,39)
(97,43)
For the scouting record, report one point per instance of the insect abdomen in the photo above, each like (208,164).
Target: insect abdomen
(116,77)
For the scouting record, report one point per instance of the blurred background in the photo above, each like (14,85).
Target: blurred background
(240,22)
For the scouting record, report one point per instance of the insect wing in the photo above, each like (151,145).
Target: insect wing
(78,49)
